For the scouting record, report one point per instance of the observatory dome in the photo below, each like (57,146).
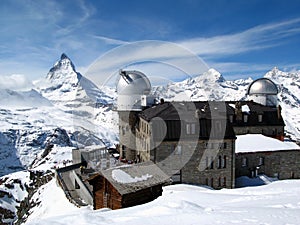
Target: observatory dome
(262,86)
(133,83)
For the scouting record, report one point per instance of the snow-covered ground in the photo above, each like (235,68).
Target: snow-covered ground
(275,203)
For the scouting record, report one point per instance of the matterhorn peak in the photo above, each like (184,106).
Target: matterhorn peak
(63,69)
(64,56)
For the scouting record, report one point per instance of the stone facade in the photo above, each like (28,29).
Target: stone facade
(283,164)
(206,162)
(127,121)
(198,146)
(190,159)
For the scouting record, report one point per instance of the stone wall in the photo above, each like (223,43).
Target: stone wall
(283,164)
(127,126)
(198,163)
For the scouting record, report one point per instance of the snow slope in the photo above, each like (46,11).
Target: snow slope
(275,203)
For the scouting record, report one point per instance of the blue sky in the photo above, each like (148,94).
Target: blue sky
(238,38)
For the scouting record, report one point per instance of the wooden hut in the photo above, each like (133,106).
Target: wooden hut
(127,186)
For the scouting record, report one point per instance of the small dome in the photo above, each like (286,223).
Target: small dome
(133,83)
(262,86)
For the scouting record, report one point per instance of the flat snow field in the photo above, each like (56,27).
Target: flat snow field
(275,203)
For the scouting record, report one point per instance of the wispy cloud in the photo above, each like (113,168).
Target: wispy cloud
(110,41)
(158,52)
(253,39)
(185,55)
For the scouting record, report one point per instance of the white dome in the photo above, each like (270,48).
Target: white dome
(133,83)
(262,86)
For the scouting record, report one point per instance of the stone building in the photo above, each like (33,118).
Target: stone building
(194,142)
(267,156)
(188,145)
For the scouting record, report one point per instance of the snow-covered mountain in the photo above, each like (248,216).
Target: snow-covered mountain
(289,98)
(39,128)
(212,86)
(208,86)
(64,101)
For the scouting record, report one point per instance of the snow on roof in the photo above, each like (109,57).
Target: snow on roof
(123,177)
(92,148)
(245,108)
(135,177)
(261,143)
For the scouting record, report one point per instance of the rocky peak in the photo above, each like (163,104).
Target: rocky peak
(211,76)
(62,70)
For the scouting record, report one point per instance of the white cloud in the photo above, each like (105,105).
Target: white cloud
(110,41)
(184,55)
(174,55)
(256,38)
(16,82)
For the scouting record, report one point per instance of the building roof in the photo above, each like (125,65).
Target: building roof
(206,114)
(134,177)
(185,110)
(269,113)
(262,86)
(261,143)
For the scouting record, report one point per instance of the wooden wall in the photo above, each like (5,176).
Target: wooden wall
(106,195)
(142,196)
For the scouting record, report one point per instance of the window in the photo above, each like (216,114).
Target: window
(193,128)
(260,118)
(123,151)
(224,145)
(206,181)
(178,150)
(224,182)
(261,161)
(244,161)
(206,162)
(245,118)
(172,148)
(219,183)
(77,185)
(231,118)
(212,182)
(211,162)
(220,162)
(190,128)
(224,162)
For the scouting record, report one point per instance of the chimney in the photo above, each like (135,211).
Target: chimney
(238,111)
(279,112)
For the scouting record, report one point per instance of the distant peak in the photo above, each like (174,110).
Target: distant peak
(62,68)
(215,75)
(64,56)
(275,69)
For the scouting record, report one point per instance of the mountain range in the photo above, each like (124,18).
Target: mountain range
(66,110)
(67,100)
